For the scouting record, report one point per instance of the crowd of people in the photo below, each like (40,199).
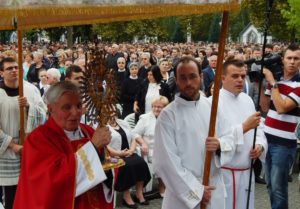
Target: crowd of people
(148,78)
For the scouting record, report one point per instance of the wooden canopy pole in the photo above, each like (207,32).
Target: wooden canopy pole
(215,99)
(21,94)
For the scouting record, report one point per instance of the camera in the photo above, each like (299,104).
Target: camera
(271,61)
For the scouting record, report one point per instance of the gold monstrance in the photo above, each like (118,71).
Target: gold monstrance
(99,93)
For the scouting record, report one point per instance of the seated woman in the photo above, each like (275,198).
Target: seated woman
(144,132)
(135,171)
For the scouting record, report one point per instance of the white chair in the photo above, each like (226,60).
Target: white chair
(130,119)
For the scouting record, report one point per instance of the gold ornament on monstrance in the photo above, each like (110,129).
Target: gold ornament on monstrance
(99,93)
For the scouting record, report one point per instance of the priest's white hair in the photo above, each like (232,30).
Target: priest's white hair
(58,89)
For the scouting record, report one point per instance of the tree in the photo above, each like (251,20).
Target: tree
(237,22)
(55,33)
(4,36)
(292,15)
(126,31)
(278,26)
(112,32)
(31,35)
(199,24)
(82,31)
(178,35)
(214,29)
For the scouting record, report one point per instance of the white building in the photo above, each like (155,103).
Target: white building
(250,34)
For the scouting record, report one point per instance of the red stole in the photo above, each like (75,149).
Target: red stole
(94,198)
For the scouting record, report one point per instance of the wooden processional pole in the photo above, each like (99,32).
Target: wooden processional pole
(21,94)
(215,99)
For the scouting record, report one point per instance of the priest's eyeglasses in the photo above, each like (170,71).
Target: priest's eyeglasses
(11,68)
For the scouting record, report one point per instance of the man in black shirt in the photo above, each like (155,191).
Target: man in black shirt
(111,60)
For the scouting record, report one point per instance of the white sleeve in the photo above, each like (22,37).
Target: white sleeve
(36,110)
(139,129)
(89,169)
(261,139)
(179,180)
(229,138)
(109,191)
(4,141)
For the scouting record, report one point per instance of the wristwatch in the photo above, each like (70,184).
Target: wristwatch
(275,86)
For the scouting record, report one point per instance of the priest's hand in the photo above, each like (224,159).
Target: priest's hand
(101,137)
(22,102)
(256,152)
(251,122)
(212,144)
(16,147)
(207,194)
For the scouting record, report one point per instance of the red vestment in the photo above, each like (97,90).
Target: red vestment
(48,172)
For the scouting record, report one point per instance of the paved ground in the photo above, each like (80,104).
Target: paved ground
(261,197)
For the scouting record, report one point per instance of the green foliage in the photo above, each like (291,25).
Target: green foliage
(4,36)
(214,29)
(237,22)
(278,26)
(113,32)
(292,15)
(31,35)
(165,29)
(178,35)
(55,33)
(83,31)
(199,26)
(126,31)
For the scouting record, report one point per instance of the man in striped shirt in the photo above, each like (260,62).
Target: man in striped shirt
(280,123)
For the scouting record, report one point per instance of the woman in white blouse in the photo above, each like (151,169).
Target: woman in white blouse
(151,88)
(144,131)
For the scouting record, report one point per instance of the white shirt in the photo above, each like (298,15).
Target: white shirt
(179,153)
(145,128)
(237,109)
(152,92)
(10,125)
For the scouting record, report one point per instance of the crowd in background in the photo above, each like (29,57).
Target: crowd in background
(143,73)
(45,64)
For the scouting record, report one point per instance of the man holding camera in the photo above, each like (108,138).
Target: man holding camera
(280,124)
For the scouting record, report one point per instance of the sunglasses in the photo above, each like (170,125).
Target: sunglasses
(11,68)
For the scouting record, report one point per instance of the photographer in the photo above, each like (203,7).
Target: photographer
(283,114)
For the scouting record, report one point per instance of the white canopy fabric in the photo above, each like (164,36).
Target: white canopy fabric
(53,13)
